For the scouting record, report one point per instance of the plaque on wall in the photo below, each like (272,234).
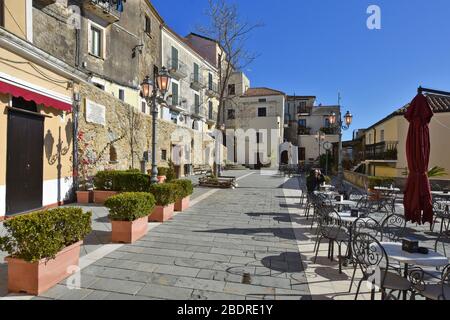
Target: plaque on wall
(95,113)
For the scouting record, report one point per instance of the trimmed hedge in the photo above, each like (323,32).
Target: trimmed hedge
(165,193)
(186,187)
(122,181)
(380,181)
(42,234)
(130,206)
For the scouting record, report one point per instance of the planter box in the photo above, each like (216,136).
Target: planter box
(101,196)
(129,231)
(162,214)
(35,278)
(162,179)
(182,204)
(84,197)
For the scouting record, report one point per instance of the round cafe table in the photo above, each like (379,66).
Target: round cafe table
(395,252)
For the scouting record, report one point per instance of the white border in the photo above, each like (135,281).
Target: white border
(34,88)
(103,37)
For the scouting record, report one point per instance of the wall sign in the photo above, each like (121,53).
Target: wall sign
(95,113)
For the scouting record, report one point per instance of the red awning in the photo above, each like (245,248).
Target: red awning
(33,96)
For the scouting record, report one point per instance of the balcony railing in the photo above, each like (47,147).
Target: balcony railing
(176,103)
(197,82)
(386,150)
(108,10)
(329,130)
(212,89)
(304,110)
(198,112)
(177,68)
(304,131)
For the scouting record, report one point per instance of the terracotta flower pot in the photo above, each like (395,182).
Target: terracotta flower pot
(36,278)
(182,204)
(101,196)
(84,197)
(129,231)
(162,214)
(161,179)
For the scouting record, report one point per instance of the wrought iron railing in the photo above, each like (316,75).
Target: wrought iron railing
(386,150)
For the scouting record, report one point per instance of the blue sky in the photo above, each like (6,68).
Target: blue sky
(322,47)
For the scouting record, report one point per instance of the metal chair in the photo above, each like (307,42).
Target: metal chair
(393,228)
(431,290)
(330,228)
(373,261)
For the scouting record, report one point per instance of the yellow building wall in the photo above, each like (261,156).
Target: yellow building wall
(15,17)
(440,142)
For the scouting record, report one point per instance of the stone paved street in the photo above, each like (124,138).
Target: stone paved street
(207,252)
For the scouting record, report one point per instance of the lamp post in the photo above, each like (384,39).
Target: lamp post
(320,136)
(151,92)
(336,122)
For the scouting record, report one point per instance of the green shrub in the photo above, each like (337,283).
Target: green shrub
(380,181)
(42,234)
(122,181)
(171,173)
(186,187)
(165,193)
(130,206)
(162,171)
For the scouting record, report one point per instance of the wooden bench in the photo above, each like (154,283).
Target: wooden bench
(201,169)
(221,182)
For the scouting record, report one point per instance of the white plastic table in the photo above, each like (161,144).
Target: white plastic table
(432,259)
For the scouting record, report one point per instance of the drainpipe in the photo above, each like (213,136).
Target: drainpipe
(75,112)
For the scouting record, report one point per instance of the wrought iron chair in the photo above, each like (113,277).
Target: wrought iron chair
(330,228)
(442,212)
(373,261)
(439,289)
(393,228)
(364,225)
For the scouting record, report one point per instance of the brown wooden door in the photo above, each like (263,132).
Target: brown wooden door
(24,166)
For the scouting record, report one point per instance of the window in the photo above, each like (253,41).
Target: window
(174,58)
(382,135)
(327,123)
(262,100)
(148,25)
(259,137)
(122,94)
(98,85)
(210,110)
(210,81)
(231,114)
(197,103)
(302,154)
(231,89)
(96,41)
(196,72)
(301,108)
(112,154)
(262,112)
(174,93)
(2,14)
(144,107)
(302,123)
(164,155)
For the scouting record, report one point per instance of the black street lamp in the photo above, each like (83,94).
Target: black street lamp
(341,125)
(151,93)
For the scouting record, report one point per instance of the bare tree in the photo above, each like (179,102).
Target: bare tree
(231,33)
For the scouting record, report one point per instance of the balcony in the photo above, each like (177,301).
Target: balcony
(108,10)
(198,113)
(197,82)
(304,131)
(212,90)
(304,111)
(177,69)
(212,118)
(386,150)
(330,130)
(176,104)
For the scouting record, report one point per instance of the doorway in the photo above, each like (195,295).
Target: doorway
(24,164)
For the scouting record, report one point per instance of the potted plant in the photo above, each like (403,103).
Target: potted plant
(128,213)
(165,195)
(186,190)
(104,186)
(162,174)
(42,247)
(85,192)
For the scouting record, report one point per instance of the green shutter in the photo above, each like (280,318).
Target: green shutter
(174,58)
(174,93)
(196,72)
